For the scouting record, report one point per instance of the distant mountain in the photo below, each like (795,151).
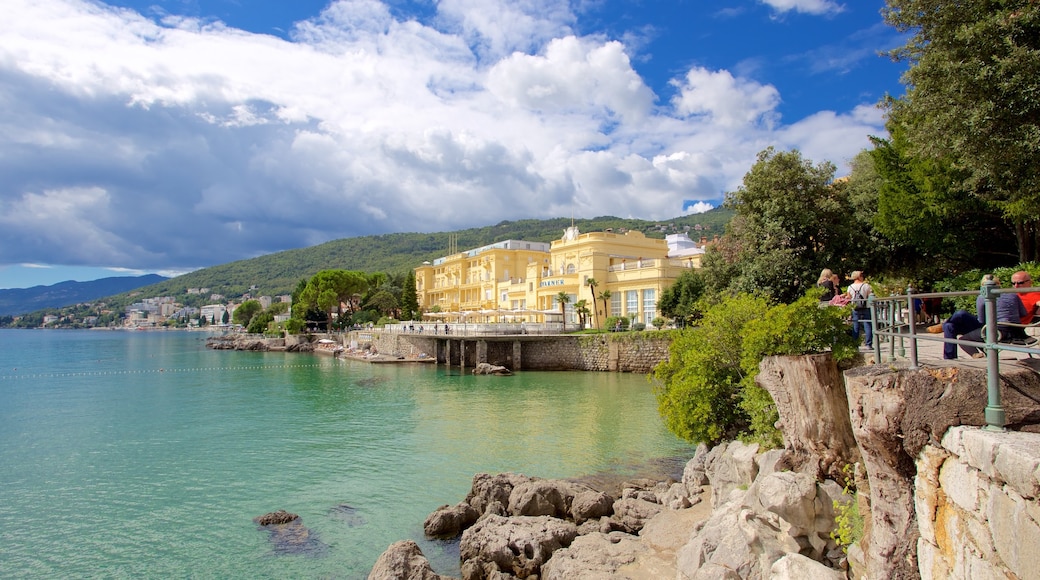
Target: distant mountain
(279,273)
(17,301)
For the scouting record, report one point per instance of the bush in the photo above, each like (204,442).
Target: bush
(613,321)
(639,326)
(708,391)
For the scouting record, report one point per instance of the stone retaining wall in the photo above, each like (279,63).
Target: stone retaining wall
(976,499)
(626,352)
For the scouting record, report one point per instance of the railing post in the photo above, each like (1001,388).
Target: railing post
(913,327)
(873,328)
(995,418)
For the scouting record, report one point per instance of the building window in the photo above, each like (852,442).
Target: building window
(631,302)
(571,269)
(649,305)
(615,304)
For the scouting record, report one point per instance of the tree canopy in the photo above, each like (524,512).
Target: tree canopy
(973,99)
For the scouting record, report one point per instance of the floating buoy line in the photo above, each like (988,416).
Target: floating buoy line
(154,371)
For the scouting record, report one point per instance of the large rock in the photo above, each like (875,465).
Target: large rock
(490,369)
(518,546)
(493,489)
(798,567)
(631,514)
(403,561)
(450,521)
(594,556)
(541,497)
(589,504)
(731,466)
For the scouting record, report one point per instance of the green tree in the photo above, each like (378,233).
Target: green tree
(592,283)
(972,98)
(225,318)
(409,298)
(260,323)
(605,297)
(582,308)
(925,225)
(700,382)
(246,311)
(384,303)
(789,222)
(330,290)
(563,299)
(707,390)
(680,301)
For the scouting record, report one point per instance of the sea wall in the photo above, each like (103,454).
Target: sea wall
(625,352)
(976,499)
(899,415)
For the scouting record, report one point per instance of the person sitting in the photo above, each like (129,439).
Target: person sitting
(1029,299)
(826,281)
(962,324)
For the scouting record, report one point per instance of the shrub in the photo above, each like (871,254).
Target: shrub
(613,320)
(639,326)
(848,522)
(707,388)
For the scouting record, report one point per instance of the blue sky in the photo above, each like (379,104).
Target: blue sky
(168,135)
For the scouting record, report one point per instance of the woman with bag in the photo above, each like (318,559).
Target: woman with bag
(859,291)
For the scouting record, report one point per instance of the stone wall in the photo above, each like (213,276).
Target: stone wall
(976,499)
(626,352)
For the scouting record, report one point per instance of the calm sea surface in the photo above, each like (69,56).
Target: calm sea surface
(145,455)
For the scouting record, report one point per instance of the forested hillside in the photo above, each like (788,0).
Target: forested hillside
(279,273)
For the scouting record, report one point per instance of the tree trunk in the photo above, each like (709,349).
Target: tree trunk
(809,393)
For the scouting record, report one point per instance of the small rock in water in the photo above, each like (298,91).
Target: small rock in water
(288,535)
(348,514)
(278,517)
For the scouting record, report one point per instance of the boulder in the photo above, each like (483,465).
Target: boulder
(630,515)
(489,489)
(490,369)
(403,561)
(693,476)
(277,517)
(594,556)
(450,521)
(541,497)
(731,466)
(589,504)
(799,567)
(518,545)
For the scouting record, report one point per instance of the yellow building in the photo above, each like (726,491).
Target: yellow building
(514,279)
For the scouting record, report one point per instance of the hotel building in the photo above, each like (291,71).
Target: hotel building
(514,279)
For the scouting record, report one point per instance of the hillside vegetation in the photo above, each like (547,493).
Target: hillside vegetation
(279,273)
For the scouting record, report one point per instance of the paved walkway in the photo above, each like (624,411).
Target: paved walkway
(930,354)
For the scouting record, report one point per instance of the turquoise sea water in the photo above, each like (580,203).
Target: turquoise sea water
(145,455)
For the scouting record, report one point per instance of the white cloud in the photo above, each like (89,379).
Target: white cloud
(186,143)
(699,207)
(726,100)
(806,6)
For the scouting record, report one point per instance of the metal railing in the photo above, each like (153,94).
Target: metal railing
(894,322)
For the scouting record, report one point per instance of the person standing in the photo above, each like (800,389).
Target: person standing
(859,291)
(826,282)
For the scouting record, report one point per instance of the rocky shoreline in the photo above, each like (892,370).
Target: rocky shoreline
(733,514)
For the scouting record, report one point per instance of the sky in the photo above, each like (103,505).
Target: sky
(169,135)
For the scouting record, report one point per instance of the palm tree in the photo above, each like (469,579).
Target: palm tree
(563,298)
(582,308)
(591,283)
(605,297)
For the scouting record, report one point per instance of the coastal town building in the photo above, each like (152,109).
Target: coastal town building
(515,279)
